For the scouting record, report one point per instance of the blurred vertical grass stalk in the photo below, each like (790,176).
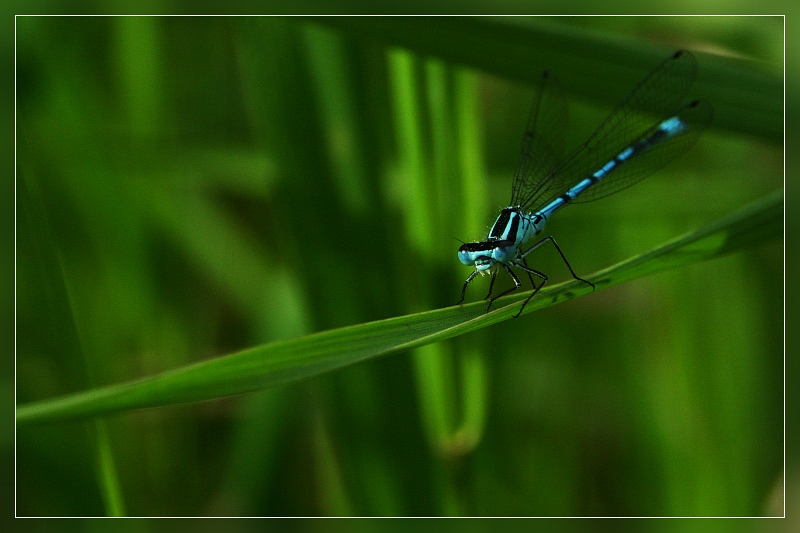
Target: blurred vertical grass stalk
(440,164)
(51,274)
(138,58)
(138,54)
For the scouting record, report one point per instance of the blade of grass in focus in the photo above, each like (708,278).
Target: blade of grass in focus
(297,359)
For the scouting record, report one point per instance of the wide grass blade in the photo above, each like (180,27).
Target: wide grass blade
(297,359)
(521,47)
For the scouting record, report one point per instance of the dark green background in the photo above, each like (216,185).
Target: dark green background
(188,187)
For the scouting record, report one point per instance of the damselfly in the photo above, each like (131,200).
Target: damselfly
(645,132)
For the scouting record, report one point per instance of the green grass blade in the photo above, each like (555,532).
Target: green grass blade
(598,65)
(107,475)
(312,355)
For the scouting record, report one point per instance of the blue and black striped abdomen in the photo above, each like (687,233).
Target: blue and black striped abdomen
(651,151)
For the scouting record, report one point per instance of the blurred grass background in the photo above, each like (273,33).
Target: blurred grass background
(188,187)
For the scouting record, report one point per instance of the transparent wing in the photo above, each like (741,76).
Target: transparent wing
(656,98)
(543,142)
